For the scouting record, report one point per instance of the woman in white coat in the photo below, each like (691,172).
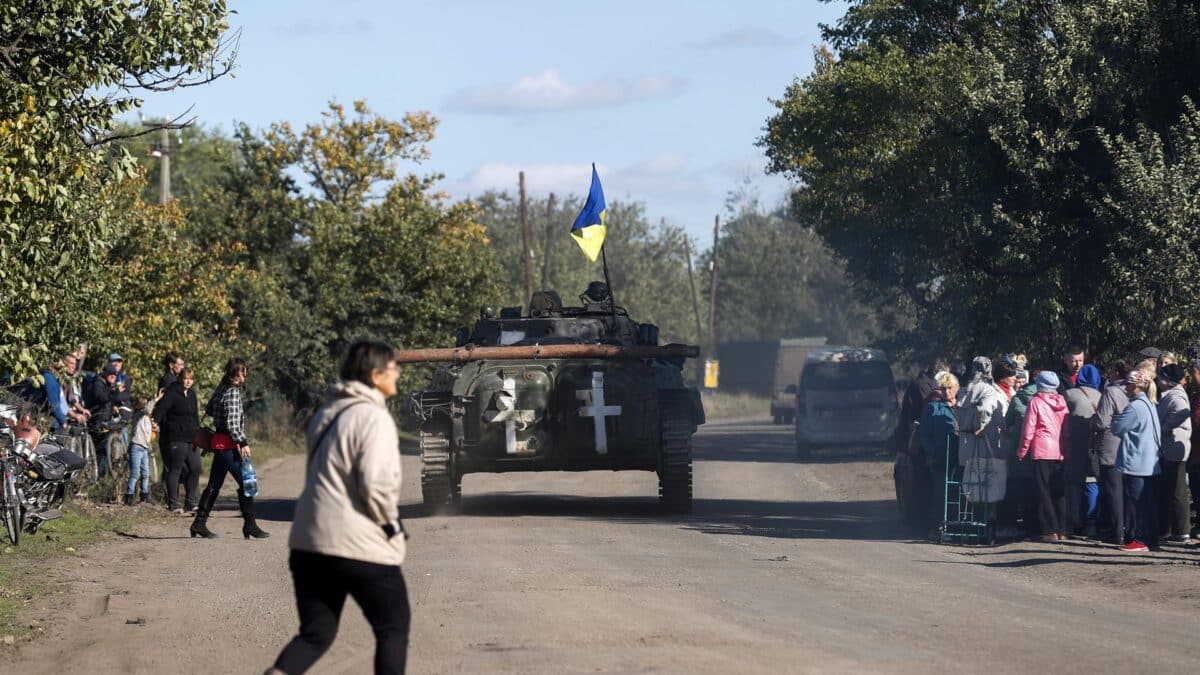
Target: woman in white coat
(346,537)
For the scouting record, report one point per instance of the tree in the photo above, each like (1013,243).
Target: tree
(67,69)
(996,164)
(646,261)
(365,252)
(778,279)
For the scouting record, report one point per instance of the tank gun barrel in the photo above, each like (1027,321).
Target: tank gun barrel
(577,351)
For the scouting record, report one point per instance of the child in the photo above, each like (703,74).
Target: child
(139,448)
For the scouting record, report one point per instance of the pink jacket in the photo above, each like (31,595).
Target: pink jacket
(1045,434)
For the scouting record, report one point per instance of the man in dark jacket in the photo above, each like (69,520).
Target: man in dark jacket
(101,397)
(173,363)
(913,405)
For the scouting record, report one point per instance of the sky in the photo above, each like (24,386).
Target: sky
(666,97)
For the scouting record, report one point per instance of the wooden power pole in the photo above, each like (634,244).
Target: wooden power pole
(164,167)
(687,252)
(712,291)
(548,245)
(527,239)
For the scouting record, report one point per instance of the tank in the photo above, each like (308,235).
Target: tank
(559,388)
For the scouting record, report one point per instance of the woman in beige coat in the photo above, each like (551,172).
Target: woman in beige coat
(346,537)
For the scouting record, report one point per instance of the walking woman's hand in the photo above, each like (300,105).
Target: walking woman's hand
(245,449)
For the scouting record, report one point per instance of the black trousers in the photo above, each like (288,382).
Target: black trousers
(1048,475)
(1193,472)
(100,444)
(1112,500)
(322,584)
(181,460)
(1174,503)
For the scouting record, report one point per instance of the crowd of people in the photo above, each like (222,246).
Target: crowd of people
(103,404)
(1078,453)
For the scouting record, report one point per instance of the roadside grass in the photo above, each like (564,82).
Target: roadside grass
(721,405)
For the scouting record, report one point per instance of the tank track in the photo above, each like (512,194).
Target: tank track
(675,462)
(440,487)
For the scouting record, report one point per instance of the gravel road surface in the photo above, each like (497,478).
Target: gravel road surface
(783,567)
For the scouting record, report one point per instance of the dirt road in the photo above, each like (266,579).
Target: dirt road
(783,567)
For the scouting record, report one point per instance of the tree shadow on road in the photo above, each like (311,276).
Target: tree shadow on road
(1102,560)
(862,520)
(779,448)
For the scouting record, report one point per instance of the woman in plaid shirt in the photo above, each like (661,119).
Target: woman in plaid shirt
(229,447)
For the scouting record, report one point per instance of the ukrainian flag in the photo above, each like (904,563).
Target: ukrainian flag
(589,227)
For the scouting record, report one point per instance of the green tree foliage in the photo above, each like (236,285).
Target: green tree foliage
(343,244)
(199,156)
(646,262)
(778,279)
(168,293)
(67,68)
(1021,174)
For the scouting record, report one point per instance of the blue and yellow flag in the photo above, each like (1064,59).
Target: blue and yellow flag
(589,227)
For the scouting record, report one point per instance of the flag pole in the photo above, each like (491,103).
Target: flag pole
(611,298)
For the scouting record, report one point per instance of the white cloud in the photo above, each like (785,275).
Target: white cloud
(547,91)
(666,172)
(539,178)
(746,37)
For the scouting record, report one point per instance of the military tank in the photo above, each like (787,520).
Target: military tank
(557,389)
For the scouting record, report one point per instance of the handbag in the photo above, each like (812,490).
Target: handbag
(203,439)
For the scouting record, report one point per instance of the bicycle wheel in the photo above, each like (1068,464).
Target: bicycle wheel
(89,454)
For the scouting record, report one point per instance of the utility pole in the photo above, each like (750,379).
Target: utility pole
(549,243)
(712,291)
(687,252)
(526,238)
(163,152)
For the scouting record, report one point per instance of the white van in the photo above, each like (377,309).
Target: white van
(846,396)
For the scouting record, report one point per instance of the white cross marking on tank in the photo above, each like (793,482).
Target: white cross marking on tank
(513,419)
(597,410)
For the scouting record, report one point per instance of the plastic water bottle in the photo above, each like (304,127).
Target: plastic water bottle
(249,479)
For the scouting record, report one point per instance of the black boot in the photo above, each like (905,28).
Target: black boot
(145,497)
(249,527)
(199,525)
(129,499)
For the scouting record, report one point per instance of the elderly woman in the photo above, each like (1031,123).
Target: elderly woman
(937,434)
(981,415)
(346,537)
(1139,431)
(1043,439)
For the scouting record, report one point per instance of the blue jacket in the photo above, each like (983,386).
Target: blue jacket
(938,425)
(1140,435)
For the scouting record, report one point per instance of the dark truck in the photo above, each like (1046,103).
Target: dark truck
(558,389)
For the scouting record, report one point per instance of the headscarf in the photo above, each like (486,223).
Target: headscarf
(1047,382)
(1173,372)
(981,370)
(1089,376)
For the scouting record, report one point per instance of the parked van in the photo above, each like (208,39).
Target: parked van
(845,396)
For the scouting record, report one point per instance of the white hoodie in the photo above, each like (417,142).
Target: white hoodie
(352,486)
